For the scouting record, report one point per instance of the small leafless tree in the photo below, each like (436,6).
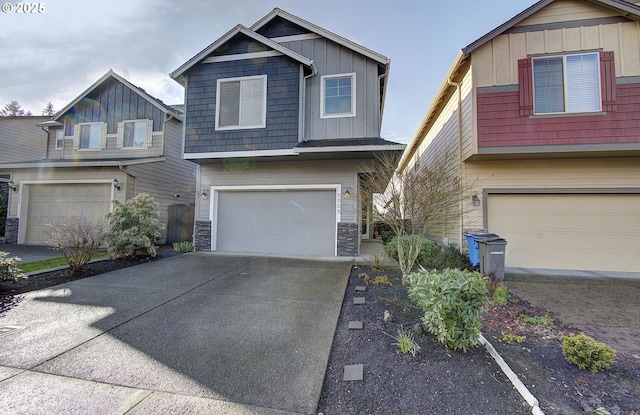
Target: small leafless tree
(417,200)
(78,239)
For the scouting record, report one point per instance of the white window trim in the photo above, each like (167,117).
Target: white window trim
(263,123)
(352,75)
(565,84)
(148,135)
(103,136)
(59,141)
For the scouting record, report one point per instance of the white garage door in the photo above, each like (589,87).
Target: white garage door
(280,222)
(53,204)
(578,232)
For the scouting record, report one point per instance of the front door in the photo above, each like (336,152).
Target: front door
(365,214)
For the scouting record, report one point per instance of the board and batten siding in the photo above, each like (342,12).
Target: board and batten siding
(329,59)
(165,179)
(496,62)
(246,173)
(111,103)
(21,139)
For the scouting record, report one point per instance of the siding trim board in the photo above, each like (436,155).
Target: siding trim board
(242,56)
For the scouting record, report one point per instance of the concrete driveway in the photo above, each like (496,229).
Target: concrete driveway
(196,333)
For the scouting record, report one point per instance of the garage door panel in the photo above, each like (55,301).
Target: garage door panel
(53,204)
(582,232)
(281,222)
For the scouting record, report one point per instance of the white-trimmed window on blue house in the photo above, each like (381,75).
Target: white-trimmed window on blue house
(60,139)
(135,134)
(567,84)
(90,136)
(338,98)
(241,103)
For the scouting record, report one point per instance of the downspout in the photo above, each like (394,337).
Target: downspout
(46,147)
(460,166)
(303,98)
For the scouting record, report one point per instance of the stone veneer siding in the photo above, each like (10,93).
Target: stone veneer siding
(202,235)
(348,239)
(11,230)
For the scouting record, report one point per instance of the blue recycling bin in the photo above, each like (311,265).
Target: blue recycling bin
(473,241)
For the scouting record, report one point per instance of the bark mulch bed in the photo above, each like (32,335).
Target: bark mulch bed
(442,381)
(437,380)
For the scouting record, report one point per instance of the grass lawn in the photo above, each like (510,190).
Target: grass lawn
(52,263)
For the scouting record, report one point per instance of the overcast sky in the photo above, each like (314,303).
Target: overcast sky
(55,55)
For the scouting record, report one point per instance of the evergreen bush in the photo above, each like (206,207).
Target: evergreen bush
(587,353)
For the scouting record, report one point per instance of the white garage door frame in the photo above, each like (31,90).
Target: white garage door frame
(552,192)
(213,206)
(23,202)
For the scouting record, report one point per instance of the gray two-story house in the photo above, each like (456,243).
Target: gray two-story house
(282,118)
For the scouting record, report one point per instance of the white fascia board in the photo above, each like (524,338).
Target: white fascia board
(227,36)
(347,149)
(242,56)
(239,154)
(72,163)
(134,88)
(322,32)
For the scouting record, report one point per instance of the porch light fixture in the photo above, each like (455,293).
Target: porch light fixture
(475,200)
(13,186)
(347,193)
(204,195)
(116,184)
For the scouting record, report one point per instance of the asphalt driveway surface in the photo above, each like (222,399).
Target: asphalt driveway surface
(199,332)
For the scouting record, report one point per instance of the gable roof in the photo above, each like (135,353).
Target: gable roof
(111,74)
(461,63)
(177,74)
(322,32)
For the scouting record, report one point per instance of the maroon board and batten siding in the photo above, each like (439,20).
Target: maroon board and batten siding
(505,119)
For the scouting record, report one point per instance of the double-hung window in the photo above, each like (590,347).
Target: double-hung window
(135,134)
(241,103)
(338,96)
(90,136)
(567,84)
(59,139)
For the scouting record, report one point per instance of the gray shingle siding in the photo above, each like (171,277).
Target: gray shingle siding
(283,88)
(279,27)
(240,43)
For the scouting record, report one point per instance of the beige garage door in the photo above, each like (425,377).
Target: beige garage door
(280,222)
(52,204)
(578,232)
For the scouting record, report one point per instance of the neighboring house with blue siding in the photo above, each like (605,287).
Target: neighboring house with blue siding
(112,142)
(282,118)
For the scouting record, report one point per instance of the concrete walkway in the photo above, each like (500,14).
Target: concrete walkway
(195,333)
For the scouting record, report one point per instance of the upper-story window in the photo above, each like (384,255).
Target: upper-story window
(59,139)
(90,136)
(241,103)
(338,96)
(566,84)
(135,134)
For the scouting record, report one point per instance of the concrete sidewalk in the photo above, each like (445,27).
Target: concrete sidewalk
(195,333)
(607,309)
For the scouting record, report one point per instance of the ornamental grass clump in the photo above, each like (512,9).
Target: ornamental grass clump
(587,353)
(453,301)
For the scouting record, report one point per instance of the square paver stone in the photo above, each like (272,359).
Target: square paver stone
(356,325)
(359,300)
(353,372)
(361,288)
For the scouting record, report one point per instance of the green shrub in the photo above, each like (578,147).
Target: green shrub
(183,246)
(427,247)
(500,295)
(453,301)
(447,257)
(134,227)
(538,320)
(9,270)
(511,338)
(587,353)
(387,236)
